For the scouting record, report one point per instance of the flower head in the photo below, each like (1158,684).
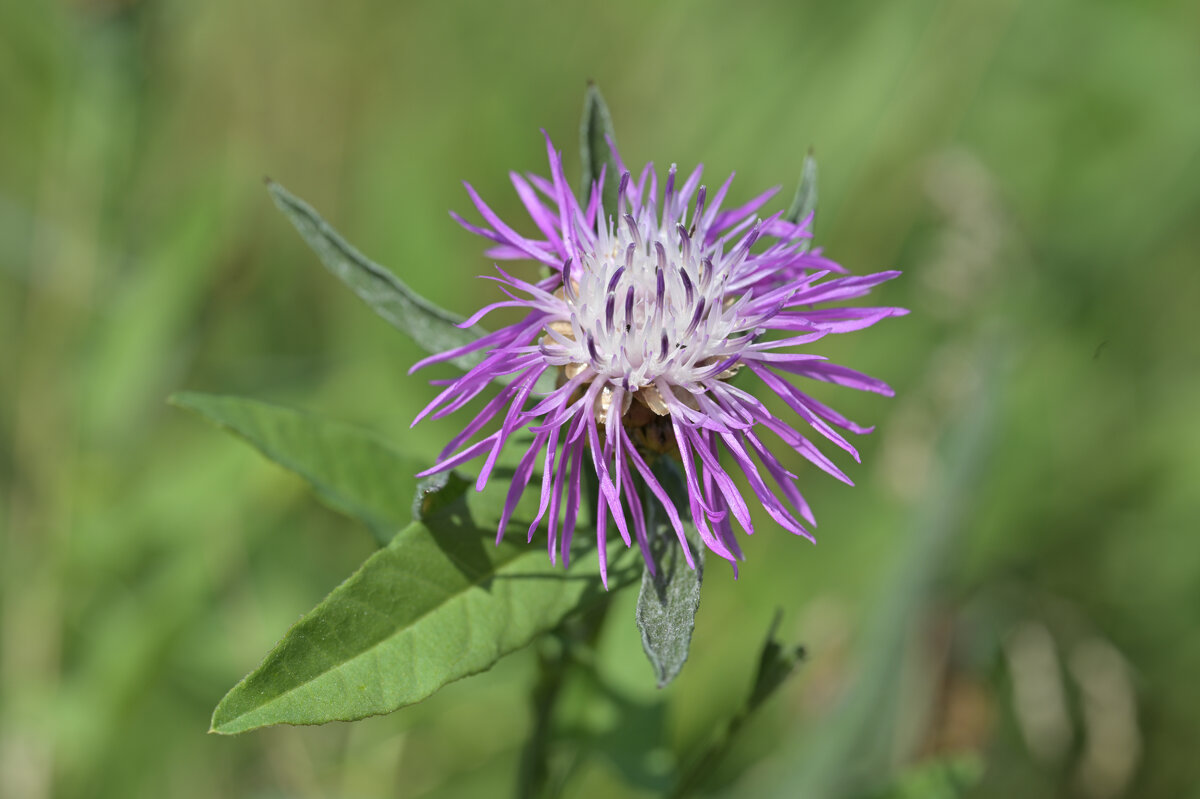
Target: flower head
(627,349)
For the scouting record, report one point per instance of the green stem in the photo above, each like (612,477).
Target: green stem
(556,654)
(700,770)
(533,776)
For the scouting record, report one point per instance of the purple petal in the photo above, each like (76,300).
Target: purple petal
(542,216)
(509,235)
(842,376)
(519,481)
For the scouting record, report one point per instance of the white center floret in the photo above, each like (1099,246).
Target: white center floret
(647,306)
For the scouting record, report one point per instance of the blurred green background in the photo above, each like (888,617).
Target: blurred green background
(1017,573)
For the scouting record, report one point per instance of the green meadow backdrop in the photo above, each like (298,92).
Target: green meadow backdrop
(1015,580)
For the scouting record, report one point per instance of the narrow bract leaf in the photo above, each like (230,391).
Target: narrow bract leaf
(775,665)
(439,603)
(430,326)
(667,603)
(351,470)
(805,201)
(666,612)
(594,151)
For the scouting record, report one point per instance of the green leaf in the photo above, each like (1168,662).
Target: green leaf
(805,201)
(351,470)
(430,326)
(436,492)
(594,150)
(668,600)
(439,603)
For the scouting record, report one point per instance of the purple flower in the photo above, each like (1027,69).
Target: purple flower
(648,311)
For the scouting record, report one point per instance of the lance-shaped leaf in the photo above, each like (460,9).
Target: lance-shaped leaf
(430,326)
(595,133)
(439,603)
(669,598)
(351,470)
(804,203)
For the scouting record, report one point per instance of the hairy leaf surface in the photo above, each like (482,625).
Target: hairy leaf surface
(430,326)
(439,603)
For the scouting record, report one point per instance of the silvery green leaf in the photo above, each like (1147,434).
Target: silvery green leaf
(805,201)
(667,602)
(430,326)
(594,151)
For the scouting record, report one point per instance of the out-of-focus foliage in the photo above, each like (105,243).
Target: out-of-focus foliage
(348,468)
(1032,167)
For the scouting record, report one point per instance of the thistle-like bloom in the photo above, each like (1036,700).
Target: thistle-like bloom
(649,310)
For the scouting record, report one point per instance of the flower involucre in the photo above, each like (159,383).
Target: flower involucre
(649,310)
